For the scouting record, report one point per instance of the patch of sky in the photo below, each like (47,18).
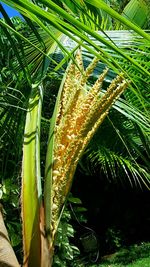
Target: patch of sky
(10,11)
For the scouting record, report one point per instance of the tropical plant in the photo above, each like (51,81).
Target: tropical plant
(76,115)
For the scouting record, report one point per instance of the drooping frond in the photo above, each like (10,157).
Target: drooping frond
(120,168)
(77,30)
(120,149)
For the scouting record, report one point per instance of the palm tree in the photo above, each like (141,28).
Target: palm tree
(56,190)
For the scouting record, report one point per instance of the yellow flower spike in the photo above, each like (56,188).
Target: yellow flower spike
(74,74)
(95,90)
(89,70)
(103,105)
(66,91)
(89,102)
(78,70)
(115,82)
(78,113)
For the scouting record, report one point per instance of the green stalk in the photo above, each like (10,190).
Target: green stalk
(31,182)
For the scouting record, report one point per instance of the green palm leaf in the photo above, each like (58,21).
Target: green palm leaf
(61,25)
(118,149)
(137,12)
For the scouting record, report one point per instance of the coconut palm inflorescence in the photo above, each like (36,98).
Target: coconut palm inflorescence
(79,111)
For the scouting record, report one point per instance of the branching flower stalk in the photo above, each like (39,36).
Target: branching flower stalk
(79,111)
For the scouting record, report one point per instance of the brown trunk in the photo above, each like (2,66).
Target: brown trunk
(7,255)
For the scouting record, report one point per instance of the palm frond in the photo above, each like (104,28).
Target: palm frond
(137,12)
(117,16)
(119,168)
(19,52)
(66,26)
(118,148)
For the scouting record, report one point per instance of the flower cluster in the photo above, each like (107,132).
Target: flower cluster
(80,111)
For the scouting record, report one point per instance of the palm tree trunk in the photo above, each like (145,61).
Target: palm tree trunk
(7,255)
